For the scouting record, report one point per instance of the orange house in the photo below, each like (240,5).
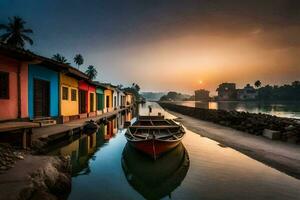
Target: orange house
(13,84)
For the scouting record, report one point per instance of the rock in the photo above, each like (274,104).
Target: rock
(293,139)
(38,195)
(20,157)
(271,134)
(3,168)
(289,128)
(62,185)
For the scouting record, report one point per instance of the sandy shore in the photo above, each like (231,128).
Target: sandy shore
(282,156)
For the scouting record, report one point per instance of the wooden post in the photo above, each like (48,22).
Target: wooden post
(24,139)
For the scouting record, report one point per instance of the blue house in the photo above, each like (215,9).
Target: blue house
(43,92)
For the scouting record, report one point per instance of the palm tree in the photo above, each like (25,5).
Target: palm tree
(78,59)
(16,33)
(257,83)
(91,72)
(136,87)
(60,58)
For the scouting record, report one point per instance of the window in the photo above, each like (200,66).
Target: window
(91,102)
(65,93)
(4,85)
(73,94)
(99,101)
(107,101)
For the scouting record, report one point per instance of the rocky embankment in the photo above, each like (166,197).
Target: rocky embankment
(8,157)
(287,129)
(25,176)
(51,182)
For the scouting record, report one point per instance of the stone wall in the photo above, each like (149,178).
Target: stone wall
(289,129)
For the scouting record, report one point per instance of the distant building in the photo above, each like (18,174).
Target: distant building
(226,91)
(248,93)
(202,95)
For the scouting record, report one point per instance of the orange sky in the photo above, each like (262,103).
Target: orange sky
(182,63)
(171,44)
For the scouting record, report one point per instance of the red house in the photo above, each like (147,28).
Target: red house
(87,99)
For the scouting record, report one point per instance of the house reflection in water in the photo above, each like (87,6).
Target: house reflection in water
(83,149)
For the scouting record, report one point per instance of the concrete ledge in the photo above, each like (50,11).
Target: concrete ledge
(271,134)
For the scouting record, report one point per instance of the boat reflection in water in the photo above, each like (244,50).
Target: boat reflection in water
(155,180)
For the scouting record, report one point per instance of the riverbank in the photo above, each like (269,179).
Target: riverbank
(37,177)
(284,129)
(30,174)
(282,156)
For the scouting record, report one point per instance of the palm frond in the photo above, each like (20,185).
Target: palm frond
(5,37)
(28,39)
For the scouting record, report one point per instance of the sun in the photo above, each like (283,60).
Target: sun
(200,81)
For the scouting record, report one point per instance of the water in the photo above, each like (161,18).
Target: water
(211,172)
(282,109)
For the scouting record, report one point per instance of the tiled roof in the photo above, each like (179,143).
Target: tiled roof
(26,55)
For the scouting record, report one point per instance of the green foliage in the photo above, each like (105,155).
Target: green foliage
(173,96)
(134,89)
(78,59)
(59,58)
(91,72)
(280,93)
(257,83)
(16,34)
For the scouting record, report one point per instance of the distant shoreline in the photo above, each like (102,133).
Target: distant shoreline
(258,101)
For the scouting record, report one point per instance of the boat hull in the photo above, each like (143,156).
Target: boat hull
(154,148)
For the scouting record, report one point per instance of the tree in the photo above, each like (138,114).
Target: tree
(60,58)
(257,83)
(16,33)
(136,87)
(120,86)
(91,72)
(78,59)
(296,83)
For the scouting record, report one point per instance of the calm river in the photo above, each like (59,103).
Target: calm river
(282,109)
(104,167)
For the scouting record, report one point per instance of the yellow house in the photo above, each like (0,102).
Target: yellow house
(68,97)
(128,98)
(108,100)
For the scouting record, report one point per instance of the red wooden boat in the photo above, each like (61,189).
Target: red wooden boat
(154,135)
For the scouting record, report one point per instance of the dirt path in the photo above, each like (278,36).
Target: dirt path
(284,157)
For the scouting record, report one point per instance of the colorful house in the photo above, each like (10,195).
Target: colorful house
(69,95)
(69,105)
(108,100)
(99,97)
(37,88)
(13,83)
(128,98)
(122,99)
(115,97)
(42,81)
(87,99)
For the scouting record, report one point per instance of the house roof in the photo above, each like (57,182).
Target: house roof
(98,84)
(28,56)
